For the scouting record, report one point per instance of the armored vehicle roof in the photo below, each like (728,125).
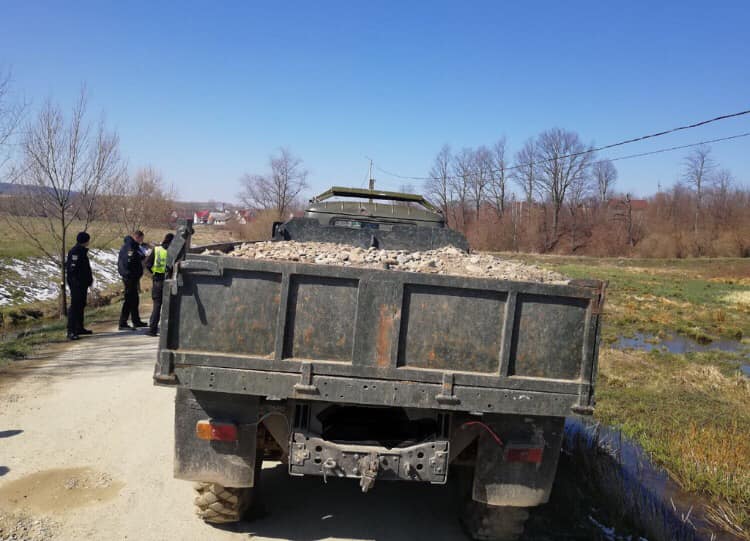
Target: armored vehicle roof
(376,205)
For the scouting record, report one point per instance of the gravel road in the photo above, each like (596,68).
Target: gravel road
(86,453)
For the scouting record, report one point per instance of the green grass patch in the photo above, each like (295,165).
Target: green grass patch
(690,413)
(20,343)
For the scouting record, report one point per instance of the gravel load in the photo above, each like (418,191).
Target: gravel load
(447,260)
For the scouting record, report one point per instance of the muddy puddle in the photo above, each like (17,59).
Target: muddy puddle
(624,494)
(58,490)
(674,343)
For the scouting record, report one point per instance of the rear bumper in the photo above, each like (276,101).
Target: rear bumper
(311,455)
(375,392)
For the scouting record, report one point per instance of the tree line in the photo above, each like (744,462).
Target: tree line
(554,195)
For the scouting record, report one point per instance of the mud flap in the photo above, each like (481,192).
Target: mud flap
(230,464)
(502,481)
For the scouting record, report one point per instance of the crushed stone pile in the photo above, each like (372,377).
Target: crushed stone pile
(446,260)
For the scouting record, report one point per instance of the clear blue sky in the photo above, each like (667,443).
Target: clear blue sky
(205,91)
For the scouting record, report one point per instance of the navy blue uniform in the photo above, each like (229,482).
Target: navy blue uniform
(79,278)
(130,267)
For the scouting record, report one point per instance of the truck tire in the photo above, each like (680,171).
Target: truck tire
(218,504)
(490,523)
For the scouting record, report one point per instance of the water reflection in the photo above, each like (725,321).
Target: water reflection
(674,343)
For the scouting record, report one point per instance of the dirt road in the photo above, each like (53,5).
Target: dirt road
(86,453)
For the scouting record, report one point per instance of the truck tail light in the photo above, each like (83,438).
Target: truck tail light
(216,431)
(529,455)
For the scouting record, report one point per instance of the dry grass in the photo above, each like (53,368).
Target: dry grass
(691,416)
(737,297)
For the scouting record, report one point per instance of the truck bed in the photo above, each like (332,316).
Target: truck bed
(379,337)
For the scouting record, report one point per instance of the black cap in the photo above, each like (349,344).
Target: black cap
(168,238)
(83,237)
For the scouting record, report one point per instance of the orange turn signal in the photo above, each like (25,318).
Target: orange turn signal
(529,455)
(216,431)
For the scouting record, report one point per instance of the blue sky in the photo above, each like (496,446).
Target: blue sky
(205,91)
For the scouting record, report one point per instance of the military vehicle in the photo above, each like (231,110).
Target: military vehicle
(368,374)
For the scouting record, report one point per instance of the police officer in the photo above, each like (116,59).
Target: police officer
(79,278)
(130,267)
(156,264)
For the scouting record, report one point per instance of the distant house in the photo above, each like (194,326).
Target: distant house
(201,217)
(218,218)
(243,217)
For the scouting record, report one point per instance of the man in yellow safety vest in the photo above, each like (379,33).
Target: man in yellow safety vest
(156,264)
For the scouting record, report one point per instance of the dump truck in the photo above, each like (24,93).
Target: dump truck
(372,374)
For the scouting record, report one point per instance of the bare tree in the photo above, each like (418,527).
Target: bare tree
(278,190)
(479,177)
(605,175)
(698,166)
(463,168)
(438,187)
(524,173)
(723,182)
(562,160)
(498,177)
(578,191)
(11,114)
(68,164)
(142,200)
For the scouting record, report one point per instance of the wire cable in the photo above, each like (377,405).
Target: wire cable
(491,432)
(680,147)
(604,147)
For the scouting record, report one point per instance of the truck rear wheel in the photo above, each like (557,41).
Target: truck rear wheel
(489,523)
(218,504)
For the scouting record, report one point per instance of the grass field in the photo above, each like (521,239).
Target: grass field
(14,243)
(690,412)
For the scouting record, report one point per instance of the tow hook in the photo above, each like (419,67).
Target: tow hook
(328,465)
(369,466)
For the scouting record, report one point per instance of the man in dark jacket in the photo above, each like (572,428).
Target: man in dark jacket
(130,267)
(79,278)
(156,264)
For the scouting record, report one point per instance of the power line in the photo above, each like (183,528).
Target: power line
(680,147)
(597,149)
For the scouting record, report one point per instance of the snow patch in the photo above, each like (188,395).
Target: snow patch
(35,279)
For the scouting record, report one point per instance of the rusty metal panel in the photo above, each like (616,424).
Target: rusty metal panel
(548,337)
(321,317)
(236,311)
(378,323)
(446,328)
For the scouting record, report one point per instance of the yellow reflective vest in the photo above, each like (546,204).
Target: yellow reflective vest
(160,260)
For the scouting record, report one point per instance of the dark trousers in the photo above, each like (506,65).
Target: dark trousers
(157,289)
(75,310)
(130,302)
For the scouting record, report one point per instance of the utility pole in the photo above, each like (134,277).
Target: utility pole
(372,180)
